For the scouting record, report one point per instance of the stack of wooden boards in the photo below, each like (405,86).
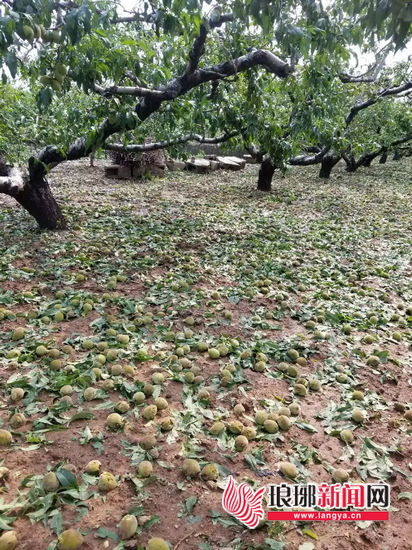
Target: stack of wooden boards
(198,165)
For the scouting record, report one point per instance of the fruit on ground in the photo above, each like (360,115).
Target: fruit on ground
(17,394)
(149,412)
(293,354)
(373,361)
(210,472)
(294,409)
(284,422)
(314,384)
(122,406)
(145,468)
(8,540)
(157,543)
(260,417)
(347,436)
(167,424)
(107,482)
(235,427)
(249,432)
(69,540)
(114,421)
(161,403)
(18,333)
(217,428)
(127,526)
(270,426)
(93,467)
(300,390)
(358,415)
(288,469)
(241,442)
(148,442)
(191,467)
(89,394)
(408,415)
(17,420)
(214,353)
(357,395)
(5,438)
(50,482)
(340,475)
(139,397)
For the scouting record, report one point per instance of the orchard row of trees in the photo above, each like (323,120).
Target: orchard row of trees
(276,77)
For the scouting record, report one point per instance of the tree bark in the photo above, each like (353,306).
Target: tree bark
(351,165)
(267,169)
(39,202)
(383,158)
(328,162)
(33,193)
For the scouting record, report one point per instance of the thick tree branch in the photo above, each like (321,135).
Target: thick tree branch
(140,148)
(137,91)
(394,90)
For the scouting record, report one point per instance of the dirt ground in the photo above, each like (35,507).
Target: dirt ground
(149,277)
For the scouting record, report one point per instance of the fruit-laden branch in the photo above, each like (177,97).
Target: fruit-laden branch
(50,156)
(140,148)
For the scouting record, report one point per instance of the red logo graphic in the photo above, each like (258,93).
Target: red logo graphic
(243,503)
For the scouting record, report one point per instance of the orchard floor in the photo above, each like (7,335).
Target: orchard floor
(206,259)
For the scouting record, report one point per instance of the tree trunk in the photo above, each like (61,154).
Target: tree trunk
(384,157)
(38,200)
(267,169)
(328,162)
(397,155)
(350,163)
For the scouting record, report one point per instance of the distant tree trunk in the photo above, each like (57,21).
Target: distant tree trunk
(383,158)
(328,162)
(351,165)
(267,169)
(92,157)
(397,155)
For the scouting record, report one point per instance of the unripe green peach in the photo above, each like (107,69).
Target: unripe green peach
(214,353)
(114,421)
(89,394)
(148,442)
(294,409)
(260,417)
(191,467)
(145,468)
(93,467)
(300,389)
(358,415)
(241,442)
(210,472)
(157,543)
(50,482)
(217,428)
(8,540)
(107,482)
(127,526)
(347,436)
(373,361)
(314,384)
(17,420)
(270,426)
(149,412)
(284,423)
(166,424)
(288,469)
(17,394)
(235,427)
(357,395)
(139,397)
(249,432)
(340,475)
